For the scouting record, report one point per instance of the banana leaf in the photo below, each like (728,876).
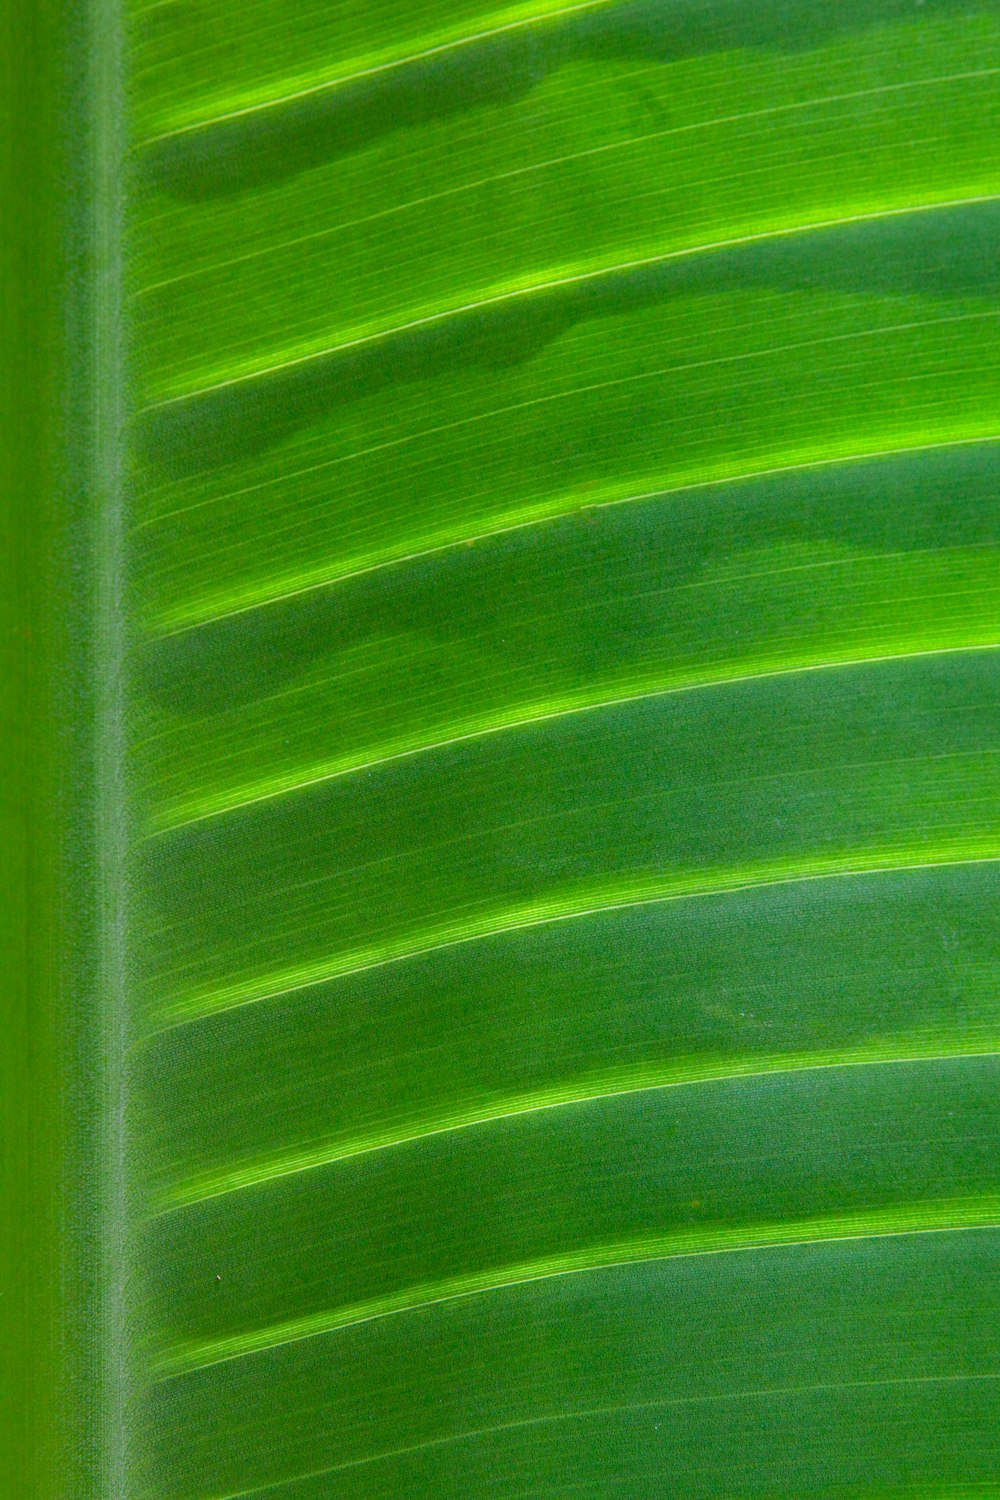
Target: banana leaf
(500,750)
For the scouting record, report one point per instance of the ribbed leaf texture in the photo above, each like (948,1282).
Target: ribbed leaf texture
(561,790)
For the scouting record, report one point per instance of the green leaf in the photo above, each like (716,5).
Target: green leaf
(502,777)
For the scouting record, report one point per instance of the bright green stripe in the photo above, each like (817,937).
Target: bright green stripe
(795,106)
(322,77)
(548,399)
(208,610)
(675,886)
(199,808)
(646,1077)
(370,561)
(979,1212)
(534,283)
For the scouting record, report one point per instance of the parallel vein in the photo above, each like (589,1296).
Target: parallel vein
(512,18)
(200,809)
(662,1403)
(592,1089)
(574,906)
(205,612)
(932,1217)
(554,280)
(609,147)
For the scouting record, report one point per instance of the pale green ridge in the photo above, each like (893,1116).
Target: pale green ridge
(64,1338)
(111,982)
(200,808)
(665,1403)
(609,1084)
(912,435)
(322,77)
(568,120)
(979,1212)
(174,389)
(919,143)
(584,153)
(675,886)
(171,621)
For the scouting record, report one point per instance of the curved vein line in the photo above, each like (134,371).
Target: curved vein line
(682,886)
(180,621)
(552,818)
(580,611)
(935,1217)
(660,1403)
(352,569)
(557,283)
(643,1079)
(713,123)
(187,815)
(374,70)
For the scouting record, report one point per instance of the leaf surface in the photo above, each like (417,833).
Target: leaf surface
(552,778)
